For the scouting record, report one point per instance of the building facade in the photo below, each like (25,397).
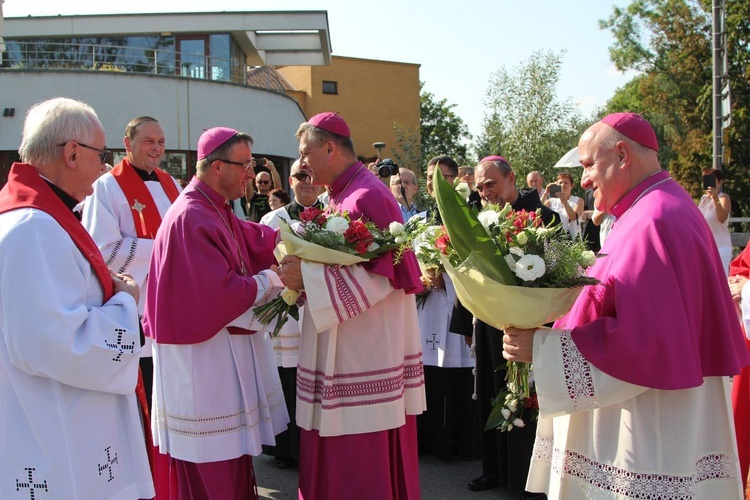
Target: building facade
(188,70)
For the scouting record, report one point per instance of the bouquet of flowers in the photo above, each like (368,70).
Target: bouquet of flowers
(334,239)
(427,248)
(510,270)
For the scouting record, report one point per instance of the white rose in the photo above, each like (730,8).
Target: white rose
(530,267)
(517,251)
(290,296)
(488,217)
(588,258)
(505,412)
(463,189)
(401,238)
(396,228)
(522,239)
(518,423)
(337,225)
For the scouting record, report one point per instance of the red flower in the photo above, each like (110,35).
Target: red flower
(359,236)
(442,243)
(532,401)
(312,214)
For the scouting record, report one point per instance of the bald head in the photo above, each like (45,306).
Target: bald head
(613,164)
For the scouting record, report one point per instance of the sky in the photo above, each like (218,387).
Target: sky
(459,44)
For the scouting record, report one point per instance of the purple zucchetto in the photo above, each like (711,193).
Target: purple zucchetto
(493,158)
(212,139)
(331,122)
(635,127)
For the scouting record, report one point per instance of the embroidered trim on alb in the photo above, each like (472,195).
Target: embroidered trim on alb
(644,485)
(578,377)
(542,448)
(130,257)
(115,250)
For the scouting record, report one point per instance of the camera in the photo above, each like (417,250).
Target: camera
(387,168)
(709,181)
(260,162)
(554,190)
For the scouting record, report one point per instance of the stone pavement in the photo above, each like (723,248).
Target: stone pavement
(439,480)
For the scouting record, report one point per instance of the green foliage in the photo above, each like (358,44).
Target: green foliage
(443,132)
(670,43)
(525,121)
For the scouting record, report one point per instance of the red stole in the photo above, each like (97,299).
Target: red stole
(27,189)
(741,384)
(146,217)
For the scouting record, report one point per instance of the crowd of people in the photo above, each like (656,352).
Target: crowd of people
(133,364)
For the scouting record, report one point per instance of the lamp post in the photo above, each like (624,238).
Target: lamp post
(379,146)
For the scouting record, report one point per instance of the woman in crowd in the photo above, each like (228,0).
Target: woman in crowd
(277,198)
(564,203)
(715,207)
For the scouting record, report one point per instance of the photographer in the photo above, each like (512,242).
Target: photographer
(715,207)
(256,200)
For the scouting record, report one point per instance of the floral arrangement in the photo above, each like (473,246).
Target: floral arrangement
(333,238)
(511,270)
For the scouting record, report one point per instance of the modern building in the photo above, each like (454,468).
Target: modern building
(188,70)
(375,97)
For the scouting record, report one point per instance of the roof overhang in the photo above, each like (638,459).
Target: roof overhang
(295,38)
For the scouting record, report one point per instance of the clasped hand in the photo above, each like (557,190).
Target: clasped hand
(518,344)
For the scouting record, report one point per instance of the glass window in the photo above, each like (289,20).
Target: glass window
(219,48)
(330,87)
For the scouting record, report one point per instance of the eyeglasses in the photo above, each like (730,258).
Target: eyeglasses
(301,176)
(246,166)
(263,182)
(104,154)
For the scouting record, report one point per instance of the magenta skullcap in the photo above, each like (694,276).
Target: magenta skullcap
(331,122)
(635,127)
(211,139)
(494,158)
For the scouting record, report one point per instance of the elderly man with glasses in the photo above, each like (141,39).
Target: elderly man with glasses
(69,341)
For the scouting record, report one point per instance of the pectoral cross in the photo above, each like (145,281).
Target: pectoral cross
(138,207)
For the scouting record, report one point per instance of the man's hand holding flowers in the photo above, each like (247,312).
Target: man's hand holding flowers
(291,272)
(518,344)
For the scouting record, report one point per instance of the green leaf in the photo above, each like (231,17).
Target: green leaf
(466,233)
(495,419)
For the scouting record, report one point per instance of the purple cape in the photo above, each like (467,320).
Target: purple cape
(361,193)
(663,316)
(195,287)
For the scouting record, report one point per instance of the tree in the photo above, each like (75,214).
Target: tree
(525,122)
(669,43)
(441,132)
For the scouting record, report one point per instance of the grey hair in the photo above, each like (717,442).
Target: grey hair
(223,151)
(53,122)
(318,136)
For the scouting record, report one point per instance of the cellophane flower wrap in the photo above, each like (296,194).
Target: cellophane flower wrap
(332,238)
(510,270)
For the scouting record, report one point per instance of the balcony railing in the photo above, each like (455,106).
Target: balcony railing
(128,59)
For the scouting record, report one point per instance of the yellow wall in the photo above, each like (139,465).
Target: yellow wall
(372,96)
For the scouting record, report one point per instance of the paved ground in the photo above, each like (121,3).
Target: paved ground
(439,480)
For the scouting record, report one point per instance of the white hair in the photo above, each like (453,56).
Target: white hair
(53,122)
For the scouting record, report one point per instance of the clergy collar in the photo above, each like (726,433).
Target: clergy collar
(209,191)
(69,201)
(145,176)
(629,199)
(339,185)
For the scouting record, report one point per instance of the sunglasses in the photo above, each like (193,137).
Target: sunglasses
(301,176)
(263,182)
(104,154)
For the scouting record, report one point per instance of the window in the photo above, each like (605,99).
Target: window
(330,87)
